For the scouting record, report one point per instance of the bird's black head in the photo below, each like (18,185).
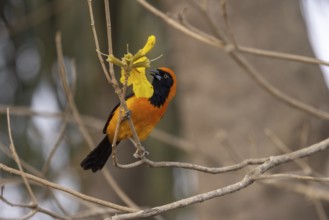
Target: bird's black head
(164,86)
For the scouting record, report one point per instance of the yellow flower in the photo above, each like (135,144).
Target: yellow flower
(149,44)
(141,86)
(134,67)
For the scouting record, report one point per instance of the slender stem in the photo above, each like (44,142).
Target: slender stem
(17,160)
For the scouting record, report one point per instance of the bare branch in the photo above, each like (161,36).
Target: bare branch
(294,176)
(248,179)
(96,40)
(56,145)
(33,211)
(208,39)
(303,165)
(314,193)
(24,164)
(16,158)
(210,170)
(66,190)
(275,92)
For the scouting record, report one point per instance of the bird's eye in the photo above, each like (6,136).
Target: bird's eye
(165,76)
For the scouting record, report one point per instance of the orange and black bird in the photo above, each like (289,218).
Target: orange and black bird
(145,114)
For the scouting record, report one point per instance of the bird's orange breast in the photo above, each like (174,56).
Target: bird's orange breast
(144,116)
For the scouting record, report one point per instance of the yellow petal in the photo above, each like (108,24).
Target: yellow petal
(137,64)
(136,75)
(143,89)
(142,62)
(149,44)
(141,59)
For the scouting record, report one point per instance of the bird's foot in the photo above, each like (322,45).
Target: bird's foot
(127,115)
(140,153)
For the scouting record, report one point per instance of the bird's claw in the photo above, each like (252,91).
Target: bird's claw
(140,153)
(127,114)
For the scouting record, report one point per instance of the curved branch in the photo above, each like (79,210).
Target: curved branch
(248,179)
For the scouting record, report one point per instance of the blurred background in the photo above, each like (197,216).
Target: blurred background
(220,113)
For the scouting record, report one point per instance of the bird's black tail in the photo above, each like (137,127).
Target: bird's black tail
(97,158)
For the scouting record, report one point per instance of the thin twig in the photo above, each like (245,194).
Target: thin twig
(27,111)
(276,93)
(118,125)
(24,164)
(67,91)
(294,176)
(211,170)
(311,192)
(109,32)
(113,82)
(66,190)
(96,212)
(59,139)
(34,209)
(277,142)
(208,39)
(59,204)
(96,40)
(227,23)
(118,190)
(282,56)
(205,12)
(16,158)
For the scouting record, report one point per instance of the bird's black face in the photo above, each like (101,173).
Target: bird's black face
(162,82)
(162,78)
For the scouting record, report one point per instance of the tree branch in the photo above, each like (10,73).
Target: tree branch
(66,190)
(248,179)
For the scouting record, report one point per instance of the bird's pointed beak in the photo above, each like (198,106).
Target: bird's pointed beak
(156,74)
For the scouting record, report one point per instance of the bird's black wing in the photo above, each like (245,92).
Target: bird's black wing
(112,113)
